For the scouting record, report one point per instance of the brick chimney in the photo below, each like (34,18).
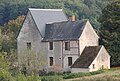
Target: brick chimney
(72,18)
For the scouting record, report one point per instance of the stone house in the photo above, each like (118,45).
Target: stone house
(68,45)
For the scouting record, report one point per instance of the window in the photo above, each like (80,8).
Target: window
(69,61)
(29,45)
(51,45)
(51,61)
(67,45)
(102,66)
(93,66)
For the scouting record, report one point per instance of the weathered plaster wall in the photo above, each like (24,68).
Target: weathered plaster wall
(73,52)
(76,70)
(30,33)
(56,53)
(102,61)
(88,37)
(61,55)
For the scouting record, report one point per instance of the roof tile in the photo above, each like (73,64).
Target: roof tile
(68,30)
(87,57)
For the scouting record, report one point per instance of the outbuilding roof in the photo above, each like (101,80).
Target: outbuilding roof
(68,30)
(87,57)
(44,16)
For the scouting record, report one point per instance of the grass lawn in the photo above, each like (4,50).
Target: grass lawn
(107,75)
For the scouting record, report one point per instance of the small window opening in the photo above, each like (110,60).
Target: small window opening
(93,66)
(29,45)
(51,61)
(69,61)
(67,45)
(51,45)
(102,66)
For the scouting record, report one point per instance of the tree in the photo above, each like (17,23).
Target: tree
(89,9)
(110,31)
(9,34)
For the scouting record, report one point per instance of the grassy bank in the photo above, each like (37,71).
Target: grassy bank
(109,75)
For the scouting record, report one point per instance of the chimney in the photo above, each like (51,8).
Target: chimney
(72,18)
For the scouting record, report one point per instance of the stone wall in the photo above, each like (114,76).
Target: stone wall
(88,37)
(76,70)
(102,61)
(30,33)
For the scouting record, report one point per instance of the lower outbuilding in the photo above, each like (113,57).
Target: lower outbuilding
(93,58)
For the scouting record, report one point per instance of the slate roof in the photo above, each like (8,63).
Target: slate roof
(44,16)
(68,30)
(87,57)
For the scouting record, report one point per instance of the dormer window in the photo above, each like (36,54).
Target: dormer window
(51,45)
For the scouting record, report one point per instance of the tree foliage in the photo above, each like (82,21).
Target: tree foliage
(110,30)
(89,9)
(9,34)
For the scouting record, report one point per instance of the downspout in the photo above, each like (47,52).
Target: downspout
(62,55)
(78,48)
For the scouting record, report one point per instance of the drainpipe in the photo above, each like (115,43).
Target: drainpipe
(78,48)
(62,55)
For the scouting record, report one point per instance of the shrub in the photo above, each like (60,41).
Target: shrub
(51,78)
(21,77)
(51,73)
(6,75)
(75,75)
(33,78)
(96,72)
(42,72)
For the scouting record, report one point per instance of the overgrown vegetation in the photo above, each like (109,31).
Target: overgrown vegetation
(11,19)
(52,78)
(83,9)
(76,75)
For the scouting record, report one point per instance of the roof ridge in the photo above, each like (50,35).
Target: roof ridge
(83,20)
(94,46)
(57,22)
(46,9)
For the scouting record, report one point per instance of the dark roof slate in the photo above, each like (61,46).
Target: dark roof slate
(68,30)
(87,57)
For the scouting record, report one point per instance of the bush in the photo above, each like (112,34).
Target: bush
(51,78)
(6,75)
(76,75)
(21,77)
(51,73)
(42,72)
(96,72)
(33,78)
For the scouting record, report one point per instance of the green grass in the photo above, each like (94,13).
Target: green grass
(108,75)
(101,75)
